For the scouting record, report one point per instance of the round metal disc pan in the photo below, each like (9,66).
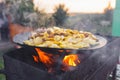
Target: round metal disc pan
(20,38)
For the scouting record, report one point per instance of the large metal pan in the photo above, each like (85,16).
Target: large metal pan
(20,38)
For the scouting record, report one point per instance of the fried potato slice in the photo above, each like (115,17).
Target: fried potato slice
(56,37)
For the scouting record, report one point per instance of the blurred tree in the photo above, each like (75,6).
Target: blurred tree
(108,12)
(26,5)
(22,12)
(17,8)
(60,15)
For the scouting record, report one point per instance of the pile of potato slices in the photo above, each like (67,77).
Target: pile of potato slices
(56,37)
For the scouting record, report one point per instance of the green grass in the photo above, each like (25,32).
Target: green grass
(2,76)
(1,63)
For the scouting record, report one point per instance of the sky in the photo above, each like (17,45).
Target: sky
(74,6)
(2,1)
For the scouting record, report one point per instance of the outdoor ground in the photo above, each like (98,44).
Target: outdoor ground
(6,46)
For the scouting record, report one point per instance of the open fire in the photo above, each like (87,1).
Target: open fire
(51,61)
(71,60)
(27,63)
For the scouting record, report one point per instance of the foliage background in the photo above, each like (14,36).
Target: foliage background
(23,12)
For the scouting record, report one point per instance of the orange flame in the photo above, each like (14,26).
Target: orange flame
(71,60)
(36,58)
(49,60)
(45,58)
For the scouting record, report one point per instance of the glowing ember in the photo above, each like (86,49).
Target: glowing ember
(71,60)
(63,50)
